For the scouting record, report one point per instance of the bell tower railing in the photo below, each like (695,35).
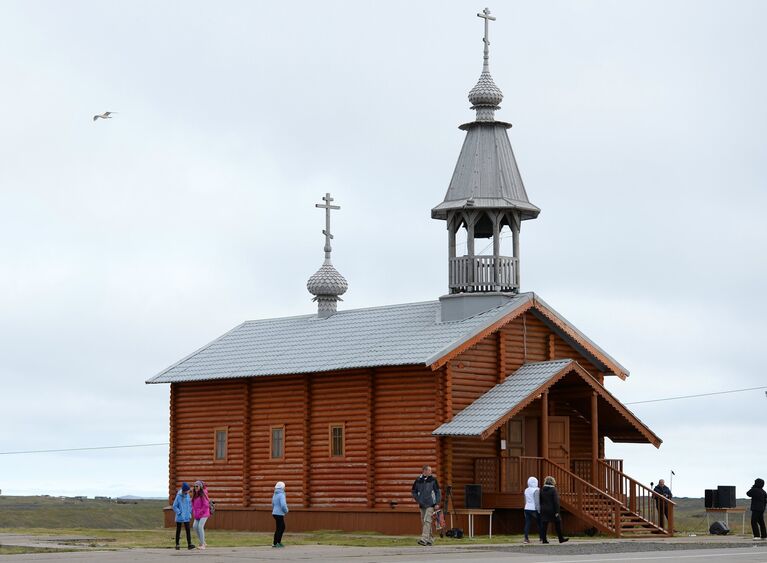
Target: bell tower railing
(482,274)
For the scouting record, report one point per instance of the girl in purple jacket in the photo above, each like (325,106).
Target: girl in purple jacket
(200,510)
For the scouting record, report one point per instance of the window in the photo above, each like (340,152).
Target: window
(277,448)
(336,440)
(220,444)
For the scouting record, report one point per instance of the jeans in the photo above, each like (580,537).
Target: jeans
(199,529)
(178,532)
(531,515)
(757,524)
(426,517)
(280,529)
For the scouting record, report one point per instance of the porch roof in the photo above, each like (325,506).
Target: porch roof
(482,417)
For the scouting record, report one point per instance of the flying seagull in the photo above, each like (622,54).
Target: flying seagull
(105,115)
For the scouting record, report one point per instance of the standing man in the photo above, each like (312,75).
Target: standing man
(758,504)
(426,493)
(665,492)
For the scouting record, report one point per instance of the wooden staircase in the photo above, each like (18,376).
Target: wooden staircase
(613,503)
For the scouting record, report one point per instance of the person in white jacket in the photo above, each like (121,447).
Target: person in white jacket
(532,507)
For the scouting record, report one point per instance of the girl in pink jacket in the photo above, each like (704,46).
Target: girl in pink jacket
(200,510)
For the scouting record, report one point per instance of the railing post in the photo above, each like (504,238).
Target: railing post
(617,515)
(633,498)
(670,518)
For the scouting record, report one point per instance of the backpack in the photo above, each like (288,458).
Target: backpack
(212,506)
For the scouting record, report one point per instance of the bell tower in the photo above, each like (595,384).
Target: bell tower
(485,195)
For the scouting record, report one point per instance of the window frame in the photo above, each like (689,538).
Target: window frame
(272,428)
(331,427)
(225,458)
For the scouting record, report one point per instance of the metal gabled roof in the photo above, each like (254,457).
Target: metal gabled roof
(486,174)
(505,400)
(405,334)
(393,335)
(502,399)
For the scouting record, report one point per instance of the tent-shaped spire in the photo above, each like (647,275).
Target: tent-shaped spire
(486,175)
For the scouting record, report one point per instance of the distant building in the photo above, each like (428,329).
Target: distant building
(488,384)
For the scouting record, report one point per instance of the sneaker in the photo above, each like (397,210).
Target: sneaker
(279,544)
(177,546)
(563,540)
(203,546)
(526,540)
(190,546)
(421,542)
(757,538)
(544,541)
(429,543)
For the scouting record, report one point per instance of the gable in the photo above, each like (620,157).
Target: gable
(526,339)
(486,413)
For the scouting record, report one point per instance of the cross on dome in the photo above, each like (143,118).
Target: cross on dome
(326,284)
(326,231)
(488,18)
(486,97)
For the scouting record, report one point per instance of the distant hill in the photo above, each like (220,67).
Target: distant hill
(80,512)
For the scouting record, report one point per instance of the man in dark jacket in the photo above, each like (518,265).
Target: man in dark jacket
(549,498)
(665,492)
(758,502)
(426,493)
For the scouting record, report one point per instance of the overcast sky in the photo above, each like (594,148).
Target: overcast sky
(639,129)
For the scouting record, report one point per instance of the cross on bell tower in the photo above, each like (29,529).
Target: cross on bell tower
(326,284)
(486,197)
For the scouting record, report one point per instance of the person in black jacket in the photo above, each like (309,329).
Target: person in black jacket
(550,510)
(426,493)
(664,492)
(758,502)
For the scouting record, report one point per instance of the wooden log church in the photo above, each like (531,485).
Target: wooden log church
(488,384)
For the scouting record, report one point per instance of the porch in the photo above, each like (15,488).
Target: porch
(552,418)
(614,503)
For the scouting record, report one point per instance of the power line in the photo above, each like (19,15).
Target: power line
(698,395)
(84,449)
(166,443)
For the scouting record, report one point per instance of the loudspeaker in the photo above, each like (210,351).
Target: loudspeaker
(712,498)
(726,496)
(472,496)
(719,528)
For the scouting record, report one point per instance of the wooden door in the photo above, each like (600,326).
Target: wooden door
(559,440)
(515,447)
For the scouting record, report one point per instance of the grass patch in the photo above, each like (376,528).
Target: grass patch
(55,512)
(17,550)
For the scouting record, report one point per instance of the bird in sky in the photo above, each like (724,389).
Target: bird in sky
(105,115)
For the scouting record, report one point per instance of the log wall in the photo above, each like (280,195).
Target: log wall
(387,415)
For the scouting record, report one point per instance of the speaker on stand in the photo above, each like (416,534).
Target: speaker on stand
(711,498)
(726,496)
(472,496)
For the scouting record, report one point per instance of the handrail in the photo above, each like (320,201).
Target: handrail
(581,496)
(642,500)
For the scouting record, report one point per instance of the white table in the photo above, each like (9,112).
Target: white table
(472,512)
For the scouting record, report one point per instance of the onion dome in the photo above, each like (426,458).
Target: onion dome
(327,282)
(485,93)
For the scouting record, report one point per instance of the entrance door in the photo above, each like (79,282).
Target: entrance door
(515,447)
(559,440)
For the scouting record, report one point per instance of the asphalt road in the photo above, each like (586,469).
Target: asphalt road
(538,554)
